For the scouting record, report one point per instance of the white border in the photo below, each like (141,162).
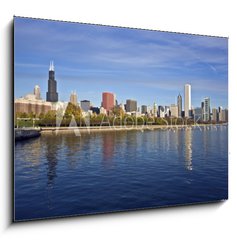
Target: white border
(213,221)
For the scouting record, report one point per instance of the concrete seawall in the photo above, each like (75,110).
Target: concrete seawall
(22,134)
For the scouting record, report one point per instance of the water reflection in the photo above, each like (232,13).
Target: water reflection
(52,159)
(188,149)
(112,170)
(108,146)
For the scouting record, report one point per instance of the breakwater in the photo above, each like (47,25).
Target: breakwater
(26,133)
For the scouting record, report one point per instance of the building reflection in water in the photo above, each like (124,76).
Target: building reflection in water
(52,145)
(73,145)
(52,160)
(108,147)
(188,149)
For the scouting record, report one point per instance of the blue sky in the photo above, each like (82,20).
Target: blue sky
(148,66)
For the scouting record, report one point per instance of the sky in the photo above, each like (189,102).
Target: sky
(144,65)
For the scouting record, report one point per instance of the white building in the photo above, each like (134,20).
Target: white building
(187,100)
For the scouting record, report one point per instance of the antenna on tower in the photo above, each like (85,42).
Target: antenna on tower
(51,66)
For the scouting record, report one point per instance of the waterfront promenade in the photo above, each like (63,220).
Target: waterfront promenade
(124,128)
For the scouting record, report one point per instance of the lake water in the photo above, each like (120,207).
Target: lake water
(112,171)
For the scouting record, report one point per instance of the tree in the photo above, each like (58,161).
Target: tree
(50,118)
(118,111)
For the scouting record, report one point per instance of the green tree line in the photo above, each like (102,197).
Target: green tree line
(73,113)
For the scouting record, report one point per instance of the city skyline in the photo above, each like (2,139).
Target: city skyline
(145,67)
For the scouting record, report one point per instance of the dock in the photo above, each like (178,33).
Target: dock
(26,133)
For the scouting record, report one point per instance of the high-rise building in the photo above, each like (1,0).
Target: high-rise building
(215,115)
(52,95)
(198,113)
(179,104)
(187,100)
(224,115)
(207,109)
(144,109)
(174,110)
(131,105)
(85,105)
(73,98)
(108,101)
(37,92)
(155,109)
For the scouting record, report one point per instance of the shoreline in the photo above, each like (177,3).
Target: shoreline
(123,128)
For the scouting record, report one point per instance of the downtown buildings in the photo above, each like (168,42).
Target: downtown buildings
(33,103)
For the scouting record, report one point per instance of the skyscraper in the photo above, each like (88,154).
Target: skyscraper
(206,110)
(187,100)
(52,95)
(131,105)
(214,115)
(224,115)
(73,98)
(37,92)
(108,101)
(179,104)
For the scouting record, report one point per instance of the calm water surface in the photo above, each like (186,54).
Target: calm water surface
(111,171)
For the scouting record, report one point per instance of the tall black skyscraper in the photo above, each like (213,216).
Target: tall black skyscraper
(52,95)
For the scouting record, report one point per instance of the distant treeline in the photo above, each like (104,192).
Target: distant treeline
(73,117)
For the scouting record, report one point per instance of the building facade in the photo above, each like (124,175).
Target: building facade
(215,115)
(108,101)
(187,100)
(144,109)
(174,110)
(85,105)
(206,110)
(131,105)
(32,103)
(32,106)
(224,115)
